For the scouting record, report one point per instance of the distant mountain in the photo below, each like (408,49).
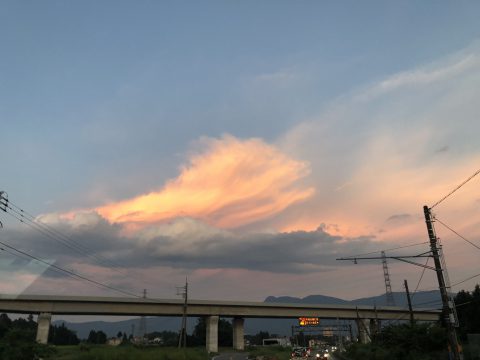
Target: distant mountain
(422,299)
(311,299)
(127,326)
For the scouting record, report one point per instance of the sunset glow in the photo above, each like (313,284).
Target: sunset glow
(233,183)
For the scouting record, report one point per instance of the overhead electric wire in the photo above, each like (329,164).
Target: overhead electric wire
(429,302)
(456,233)
(35,226)
(395,248)
(23,257)
(420,280)
(465,280)
(454,190)
(68,272)
(53,234)
(466,303)
(64,239)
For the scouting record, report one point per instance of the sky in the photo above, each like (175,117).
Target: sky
(242,145)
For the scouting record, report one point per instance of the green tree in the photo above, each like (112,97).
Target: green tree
(101,337)
(19,344)
(61,335)
(225,333)
(199,333)
(5,324)
(468,311)
(92,337)
(257,339)
(399,342)
(97,337)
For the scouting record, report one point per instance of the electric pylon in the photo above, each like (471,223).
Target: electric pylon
(388,286)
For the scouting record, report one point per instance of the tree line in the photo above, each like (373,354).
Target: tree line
(423,341)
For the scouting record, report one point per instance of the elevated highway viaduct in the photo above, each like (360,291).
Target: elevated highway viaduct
(46,306)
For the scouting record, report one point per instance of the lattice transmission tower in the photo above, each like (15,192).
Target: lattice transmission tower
(388,286)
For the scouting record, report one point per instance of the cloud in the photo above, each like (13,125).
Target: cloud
(444,148)
(400,218)
(448,69)
(367,168)
(190,244)
(230,183)
(187,243)
(378,156)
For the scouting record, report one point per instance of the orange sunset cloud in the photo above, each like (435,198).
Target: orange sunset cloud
(231,183)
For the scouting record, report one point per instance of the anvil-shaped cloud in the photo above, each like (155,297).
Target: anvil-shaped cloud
(231,183)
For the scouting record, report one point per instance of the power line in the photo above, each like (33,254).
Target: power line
(50,232)
(68,272)
(391,249)
(457,188)
(57,236)
(429,302)
(456,233)
(26,258)
(35,226)
(421,277)
(469,278)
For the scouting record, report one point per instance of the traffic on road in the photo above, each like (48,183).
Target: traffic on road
(318,353)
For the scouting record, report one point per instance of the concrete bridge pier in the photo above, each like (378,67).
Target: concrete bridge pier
(43,327)
(238,332)
(363,328)
(212,333)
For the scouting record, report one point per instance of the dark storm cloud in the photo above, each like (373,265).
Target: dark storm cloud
(295,252)
(189,244)
(400,218)
(442,149)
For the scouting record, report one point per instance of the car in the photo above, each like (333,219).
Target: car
(321,355)
(299,353)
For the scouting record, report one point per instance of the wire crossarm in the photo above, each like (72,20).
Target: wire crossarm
(404,258)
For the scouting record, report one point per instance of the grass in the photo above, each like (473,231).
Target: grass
(105,352)
(270,352)
(130,352)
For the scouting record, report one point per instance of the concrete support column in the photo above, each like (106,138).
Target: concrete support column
(363,328)
(43,327)
(238,340)
(212,334)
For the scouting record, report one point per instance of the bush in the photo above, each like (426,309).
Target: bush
(398,342)
(18,344)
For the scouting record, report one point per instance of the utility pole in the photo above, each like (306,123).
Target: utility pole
(142,331)
(448,308)
(182,339)
(409,300)
(449,315)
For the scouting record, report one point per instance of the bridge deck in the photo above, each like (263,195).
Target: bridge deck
(78,305)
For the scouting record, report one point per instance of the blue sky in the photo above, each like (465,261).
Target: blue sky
(102,102)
